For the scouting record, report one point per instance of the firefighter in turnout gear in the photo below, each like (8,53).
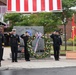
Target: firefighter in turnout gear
(56,44)
(14,43)
(1,43)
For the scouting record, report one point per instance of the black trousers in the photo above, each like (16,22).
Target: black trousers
(0,52)
(14,50)
(27,55)
(56,51)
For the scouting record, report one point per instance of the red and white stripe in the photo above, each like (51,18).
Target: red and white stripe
(27,6)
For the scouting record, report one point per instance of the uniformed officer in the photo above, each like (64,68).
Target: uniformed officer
(25,37)
(2,54)
(14,43)
(2,47)
(56,44)
(1,44)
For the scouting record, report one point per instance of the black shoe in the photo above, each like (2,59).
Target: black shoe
(56,59)
(12,60)
(16,61)
(28,60)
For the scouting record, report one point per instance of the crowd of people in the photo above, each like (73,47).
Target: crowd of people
(15,43)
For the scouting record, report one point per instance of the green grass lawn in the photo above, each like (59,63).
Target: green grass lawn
(68,47)
(62,49)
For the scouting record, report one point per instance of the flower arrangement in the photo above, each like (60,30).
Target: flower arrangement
(47,48)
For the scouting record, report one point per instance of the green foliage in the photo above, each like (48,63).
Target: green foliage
(68,3)
(50,20)
(73,42)
(46,50)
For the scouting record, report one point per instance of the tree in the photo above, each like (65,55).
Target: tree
(13,18)
(50,20)
(68,3)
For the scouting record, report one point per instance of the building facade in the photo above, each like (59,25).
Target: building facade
(2,11)
(3,2)
(68,30)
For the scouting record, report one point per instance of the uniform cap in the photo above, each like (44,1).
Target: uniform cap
(13,29)
(57,31)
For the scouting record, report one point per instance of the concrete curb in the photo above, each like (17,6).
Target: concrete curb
(10,68)
(3,68)
(18,68)
(38,65)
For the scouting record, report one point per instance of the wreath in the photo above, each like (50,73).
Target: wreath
(46,51)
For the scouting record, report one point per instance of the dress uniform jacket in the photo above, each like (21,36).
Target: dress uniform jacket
(26,38)
(1,44)
(1,40)
(56,45)
(14,40)
(56,39)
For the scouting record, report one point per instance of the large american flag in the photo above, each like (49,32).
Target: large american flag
(33,6)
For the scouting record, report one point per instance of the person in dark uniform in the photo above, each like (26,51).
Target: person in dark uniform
(6,39)
(1,44)
(56,44)
(2,47)
(2,54)
(14,43)
(25,37)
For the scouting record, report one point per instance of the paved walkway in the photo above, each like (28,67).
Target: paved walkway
(34,63)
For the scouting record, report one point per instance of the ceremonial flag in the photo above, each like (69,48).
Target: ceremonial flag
(73,27)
